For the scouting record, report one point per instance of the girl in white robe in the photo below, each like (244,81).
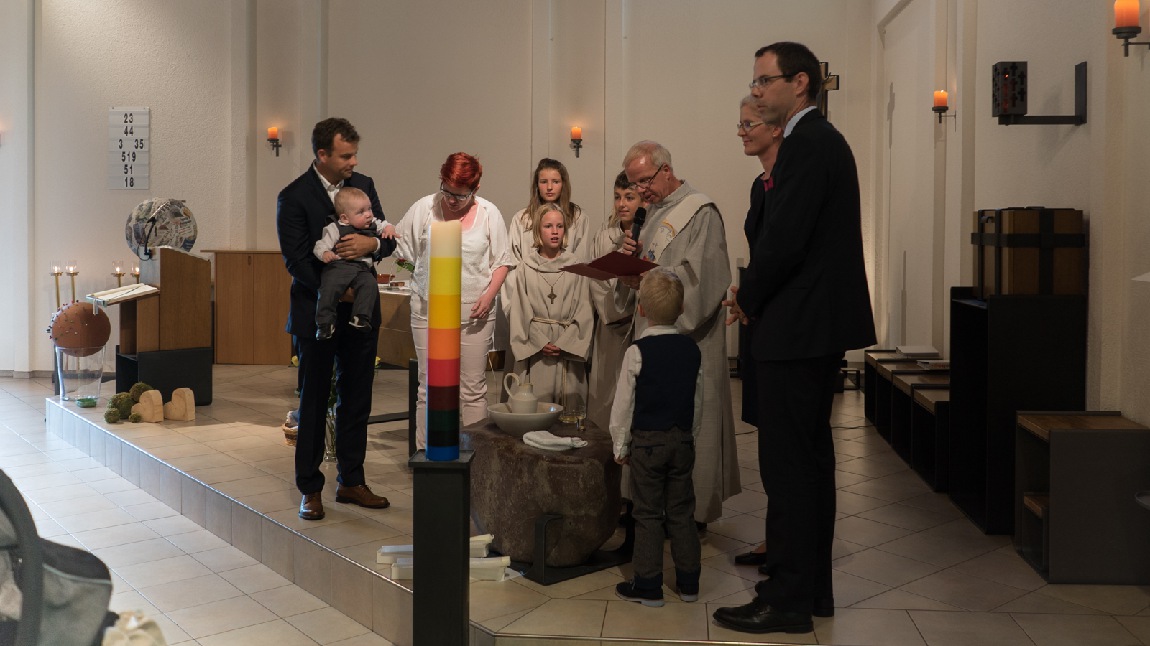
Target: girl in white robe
(550,184)
(550,315)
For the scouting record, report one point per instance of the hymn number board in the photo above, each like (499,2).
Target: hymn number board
(129,147)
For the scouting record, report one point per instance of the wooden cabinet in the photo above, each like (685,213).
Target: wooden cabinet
(1076,516)
(1007,353)
(252,294)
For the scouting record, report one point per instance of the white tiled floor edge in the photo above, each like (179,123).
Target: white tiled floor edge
(298,559)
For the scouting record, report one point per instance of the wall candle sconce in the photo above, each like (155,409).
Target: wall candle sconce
(1126,25)
(274,139)
(118,272)
(57,271)
(136,273)
(576,139)
(942,105)
(72,270)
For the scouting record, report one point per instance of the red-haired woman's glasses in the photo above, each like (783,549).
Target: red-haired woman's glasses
(455,196)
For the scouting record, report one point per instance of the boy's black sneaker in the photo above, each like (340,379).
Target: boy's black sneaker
(650,598)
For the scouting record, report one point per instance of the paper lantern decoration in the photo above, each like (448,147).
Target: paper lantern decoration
(159,222)
(79,329)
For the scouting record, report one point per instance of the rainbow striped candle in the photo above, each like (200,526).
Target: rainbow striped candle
(443,307)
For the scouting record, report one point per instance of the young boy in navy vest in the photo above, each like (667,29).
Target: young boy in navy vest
(654,422)
(353,209)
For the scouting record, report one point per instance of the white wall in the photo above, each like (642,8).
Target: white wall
(172,57)
(16,205)
(506,80)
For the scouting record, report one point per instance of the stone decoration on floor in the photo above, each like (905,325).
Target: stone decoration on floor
(149,406)
(512,484)
(182,408)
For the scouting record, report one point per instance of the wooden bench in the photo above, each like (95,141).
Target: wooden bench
(870,376)
(930,436)
(1077,519)
(884,392)
(902,404)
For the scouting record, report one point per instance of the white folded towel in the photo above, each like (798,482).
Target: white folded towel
(549,442)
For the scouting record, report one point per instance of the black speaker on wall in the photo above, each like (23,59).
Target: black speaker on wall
(1009,91)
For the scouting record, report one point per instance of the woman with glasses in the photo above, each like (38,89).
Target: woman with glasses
(760,140)
(485,261)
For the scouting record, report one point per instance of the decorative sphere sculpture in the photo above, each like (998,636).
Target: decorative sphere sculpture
(79,330)
(160,222)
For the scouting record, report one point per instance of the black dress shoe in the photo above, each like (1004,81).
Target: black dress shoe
(751,558)
(759,617)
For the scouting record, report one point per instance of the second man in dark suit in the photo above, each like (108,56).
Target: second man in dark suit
(805,292)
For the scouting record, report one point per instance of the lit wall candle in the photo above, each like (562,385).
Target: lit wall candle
(443,313)
(940,98)
(1126,13)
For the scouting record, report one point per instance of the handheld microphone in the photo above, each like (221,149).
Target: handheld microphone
(637,223)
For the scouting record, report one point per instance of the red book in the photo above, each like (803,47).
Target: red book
(612,265)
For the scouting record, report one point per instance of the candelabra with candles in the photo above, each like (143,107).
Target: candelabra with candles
(57,271)
(136,273)
(118,272)
(72,270)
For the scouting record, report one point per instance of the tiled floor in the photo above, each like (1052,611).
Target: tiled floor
(200,589)
(909,568)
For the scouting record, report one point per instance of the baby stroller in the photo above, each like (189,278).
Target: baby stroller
(50,594)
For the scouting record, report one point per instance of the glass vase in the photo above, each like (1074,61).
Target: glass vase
(79,373)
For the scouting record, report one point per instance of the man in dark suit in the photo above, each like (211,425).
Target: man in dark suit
(806,295)
(304,207)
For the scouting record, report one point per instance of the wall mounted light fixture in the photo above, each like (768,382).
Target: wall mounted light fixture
(942,105)
(274,139)
(1126,14)
(1008,94)
(576,139)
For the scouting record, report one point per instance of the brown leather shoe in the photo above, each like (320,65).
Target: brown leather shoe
(360,495)
(311,507)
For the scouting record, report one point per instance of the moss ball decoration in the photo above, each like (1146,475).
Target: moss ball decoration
(79,329)
(135,418)
(111,415)
(139,388)
(122,402)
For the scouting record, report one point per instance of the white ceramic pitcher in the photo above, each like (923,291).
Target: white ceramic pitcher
(520,398)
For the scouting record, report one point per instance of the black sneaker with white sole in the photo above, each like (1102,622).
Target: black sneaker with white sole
(652,598)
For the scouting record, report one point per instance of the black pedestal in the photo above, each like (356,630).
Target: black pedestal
(441,519)
(539,572)
(167,370)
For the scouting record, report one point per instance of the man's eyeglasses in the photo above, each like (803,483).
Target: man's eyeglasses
(764,81)
(455,196)
(747,126)
(646,182)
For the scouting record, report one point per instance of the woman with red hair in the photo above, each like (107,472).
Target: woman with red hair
(486,260)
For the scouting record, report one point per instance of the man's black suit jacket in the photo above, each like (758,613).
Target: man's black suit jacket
(806,285)
(302,211)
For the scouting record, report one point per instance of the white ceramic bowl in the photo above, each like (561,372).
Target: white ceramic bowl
(520,423)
